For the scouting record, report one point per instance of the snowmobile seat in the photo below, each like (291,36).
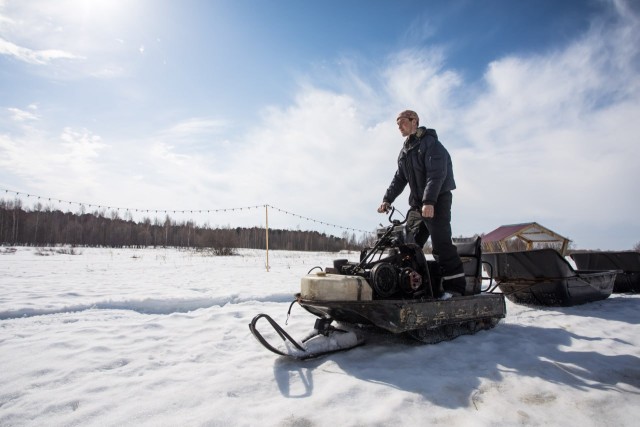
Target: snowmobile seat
(470,253)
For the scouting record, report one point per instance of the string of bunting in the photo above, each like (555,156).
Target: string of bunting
(175,211)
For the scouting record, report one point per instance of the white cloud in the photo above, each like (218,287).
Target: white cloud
(549,138)
(166,153)
(80,144)
(108,72)
(419,80)
(194,126)
(39,57)
(19,115)
(69,162)
(44,33)
(315,157)
(554,140)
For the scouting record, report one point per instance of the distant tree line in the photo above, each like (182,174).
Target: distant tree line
(44,226)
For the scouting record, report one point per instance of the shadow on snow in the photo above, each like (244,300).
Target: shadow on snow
(450,374)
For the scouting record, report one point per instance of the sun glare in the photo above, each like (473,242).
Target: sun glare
(85,12)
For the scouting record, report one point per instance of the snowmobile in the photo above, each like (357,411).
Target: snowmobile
(394,288)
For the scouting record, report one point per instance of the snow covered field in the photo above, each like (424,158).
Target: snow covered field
(159,337)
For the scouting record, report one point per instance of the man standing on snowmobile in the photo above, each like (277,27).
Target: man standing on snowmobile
(426,166)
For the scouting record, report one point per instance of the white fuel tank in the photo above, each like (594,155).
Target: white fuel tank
(321,286)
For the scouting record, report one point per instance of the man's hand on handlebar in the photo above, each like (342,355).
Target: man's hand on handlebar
(384,207)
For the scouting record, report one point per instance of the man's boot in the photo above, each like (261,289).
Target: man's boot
(455,284)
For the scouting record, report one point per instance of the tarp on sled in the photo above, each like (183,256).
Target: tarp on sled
(544,277)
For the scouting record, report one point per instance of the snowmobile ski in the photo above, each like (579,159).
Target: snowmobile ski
(324,339)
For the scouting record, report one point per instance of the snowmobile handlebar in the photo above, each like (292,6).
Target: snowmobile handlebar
(383,239)
(395,221)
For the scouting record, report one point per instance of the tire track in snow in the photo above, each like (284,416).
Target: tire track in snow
(147,305)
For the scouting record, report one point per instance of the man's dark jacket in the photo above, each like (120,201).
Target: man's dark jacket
(425,165)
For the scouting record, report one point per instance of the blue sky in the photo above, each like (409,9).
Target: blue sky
(205,105)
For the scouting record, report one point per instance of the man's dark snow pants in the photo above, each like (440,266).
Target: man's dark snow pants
(439,229)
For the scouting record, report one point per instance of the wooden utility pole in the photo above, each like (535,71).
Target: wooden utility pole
(266,214)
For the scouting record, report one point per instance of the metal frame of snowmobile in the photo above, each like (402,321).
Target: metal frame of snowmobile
(417,313)
(322,327)
(398,316)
